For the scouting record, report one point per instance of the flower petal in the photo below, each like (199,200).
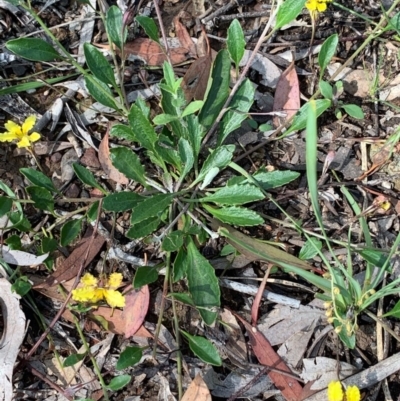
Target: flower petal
(35,136)
(83,294)
(114,298)
(28,124)
(335,391)
(88,280)
(7,137)
(114,281)
(321,7)
(353,393)
(24,142)
(13,128)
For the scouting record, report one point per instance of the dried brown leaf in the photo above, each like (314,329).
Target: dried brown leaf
(194,83)
(183,35)
(197,391)
(136,306)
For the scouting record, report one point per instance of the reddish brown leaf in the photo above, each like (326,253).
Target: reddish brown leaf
(194,83)
(197,391)
(136,306)
(287,95)
(81,254)
(183,35)
(290,388)
(152,53)
(105,161)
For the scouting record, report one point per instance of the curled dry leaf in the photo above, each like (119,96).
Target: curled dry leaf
(194,83)
(11,340)
(183,35)
(105,161)
(287,95)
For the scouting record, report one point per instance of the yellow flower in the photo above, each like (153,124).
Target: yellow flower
(335,391)
(353,393)
(90,292)
(20,133)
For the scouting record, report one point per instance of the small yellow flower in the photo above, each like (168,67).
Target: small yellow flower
(353,393)
(335,391)
(90,292)
(20,133)
(316,6)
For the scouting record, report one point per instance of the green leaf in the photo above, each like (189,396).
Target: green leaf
(195,133)
(38,178)
(73,359)
(33,49)
(180,265)
(92,212)
(70,231)
(235,42)
(119,382)
(5,205)
(43,199)
(395,312)
(121,201)
(143,228)
(122,132)
(192,108)
(275,179)
(49,244)
(151,206)
(187,157)
(300,119)
(149,27)
(20,221)
(235,215)
(173,241)
(376,258)
(326,53)
(202,283)
(308,250)
(163,119)
(326,90)
(114,25)
(353,111)
(145,275)
(21,286)
(129,356)
(98,64)
(142,128)
(394,23)
(218,159)
(235,195)
(218,91)
(348,341)
(87,177)
(288,12)
(242,101)
(14,242)
(203,349)
(100,91)
(128,163)
(182,297)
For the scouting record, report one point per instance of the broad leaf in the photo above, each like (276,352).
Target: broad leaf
(327,51)
(235,42)
(326,89)
(119,382)
(33,49)
(204,349)
(235,195)
(142,128)
(121,201)
(114,25)
(275,179)
(128,163)
(122,132)
(310,248)
(395,312)
(242,101)
(70,231)
(149,27)
(38,178)
(288,12)
(353,111)
(218,91)
(87,177)
(43,199)
(203,284)
(151,206)
(129,356)
(186,156)
(100,91)
(173,241)
(73,359)
(5,205)
(143,228)
(98,64)
(238,216)
(145,275)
